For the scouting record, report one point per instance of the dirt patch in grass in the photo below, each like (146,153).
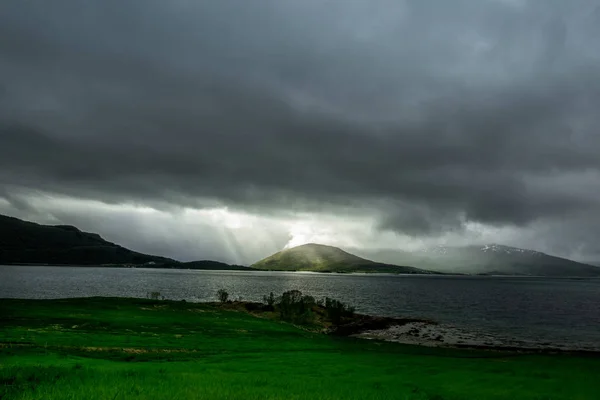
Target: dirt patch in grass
(200,310)
(155,307)
(129,350)
(137,350)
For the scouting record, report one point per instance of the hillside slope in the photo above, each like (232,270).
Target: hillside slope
(491,259)
(23,242)
(594,263)
(203,265)
(321,258)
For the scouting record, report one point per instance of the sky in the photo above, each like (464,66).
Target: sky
(230,129)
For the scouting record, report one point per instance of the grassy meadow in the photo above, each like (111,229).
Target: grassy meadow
(107,348)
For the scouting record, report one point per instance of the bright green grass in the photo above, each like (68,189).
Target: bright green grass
(103,348)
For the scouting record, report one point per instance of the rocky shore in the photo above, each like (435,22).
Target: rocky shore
(421,332)
(428,333)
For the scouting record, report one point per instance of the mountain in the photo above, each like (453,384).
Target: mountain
(491,259)
(320,258)
(23,242)
(594,263)
(204,264)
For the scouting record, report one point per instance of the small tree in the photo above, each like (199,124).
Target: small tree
(294,307)
(222,295)
(269,300)
(336,310)
(154,295)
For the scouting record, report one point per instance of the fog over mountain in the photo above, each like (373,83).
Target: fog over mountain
(489,259)
(229,130)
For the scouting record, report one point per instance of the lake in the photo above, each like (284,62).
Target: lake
(561,312)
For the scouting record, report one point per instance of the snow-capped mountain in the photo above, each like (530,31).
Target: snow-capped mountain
(489,259)
(498,248)
(487,248)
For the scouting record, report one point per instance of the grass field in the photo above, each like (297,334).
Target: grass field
(105,348)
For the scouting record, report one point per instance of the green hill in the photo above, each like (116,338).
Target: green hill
(320,258)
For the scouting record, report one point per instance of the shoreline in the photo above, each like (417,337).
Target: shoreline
(436,274)
(403,330)
(425,333)
(432,334)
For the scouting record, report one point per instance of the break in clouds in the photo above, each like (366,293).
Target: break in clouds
(230,129)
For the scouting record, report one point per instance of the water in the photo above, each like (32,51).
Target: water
(562,312)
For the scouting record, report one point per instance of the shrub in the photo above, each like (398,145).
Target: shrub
(294,307)
(222,295)
(269,300)
(254,307)
(336,310)
(153,295)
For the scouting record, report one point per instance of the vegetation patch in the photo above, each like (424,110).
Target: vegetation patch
(223,351)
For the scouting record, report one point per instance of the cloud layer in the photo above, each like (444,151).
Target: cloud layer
(425,117)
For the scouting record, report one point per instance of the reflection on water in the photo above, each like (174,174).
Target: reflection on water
(559,311)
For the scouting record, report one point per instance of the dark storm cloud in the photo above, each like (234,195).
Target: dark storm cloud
(432,112)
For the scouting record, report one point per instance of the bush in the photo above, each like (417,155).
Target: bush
(222,295)
(269,300)
(294,307)
(336,310)
(154,295)
(254,307)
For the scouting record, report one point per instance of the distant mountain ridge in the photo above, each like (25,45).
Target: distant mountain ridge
(204,265)
(489,259)
(594,263)
(321,258)
(23,242)
(30,243)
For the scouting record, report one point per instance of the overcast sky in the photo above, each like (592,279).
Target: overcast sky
(229,129)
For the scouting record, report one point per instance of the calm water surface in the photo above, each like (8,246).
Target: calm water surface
(556,311)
